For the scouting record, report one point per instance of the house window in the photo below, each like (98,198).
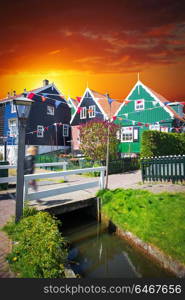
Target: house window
(92,111)
(13,108)
(65,130)
(139,104)
(40,131)
(154,127)
(50,110)
(164,129)
(83,113)
(12,124)
(127,134)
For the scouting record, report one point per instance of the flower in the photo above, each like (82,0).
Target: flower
(15,258)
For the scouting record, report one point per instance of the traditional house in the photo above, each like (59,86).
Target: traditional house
(144,109)
(73,105)
(93,105)
(48,124)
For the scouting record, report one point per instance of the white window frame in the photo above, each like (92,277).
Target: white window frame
(65,128)
(50,110)
(13,108)
(13,130)
(154,127)
(127,131)
(140,106)
(40,131)
(83,112)
(92,114)
(164,129)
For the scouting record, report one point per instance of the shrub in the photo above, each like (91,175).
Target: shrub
(155,143)
(93,137)
(38,250)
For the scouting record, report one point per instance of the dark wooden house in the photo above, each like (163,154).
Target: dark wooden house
(48,124)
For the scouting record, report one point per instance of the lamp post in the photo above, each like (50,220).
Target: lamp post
(108,142)
(23,106)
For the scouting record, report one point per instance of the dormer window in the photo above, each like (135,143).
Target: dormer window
(83,113)
(139,104)
(92,111)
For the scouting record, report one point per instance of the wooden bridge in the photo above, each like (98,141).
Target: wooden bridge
(66,196)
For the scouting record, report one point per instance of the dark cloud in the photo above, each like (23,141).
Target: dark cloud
(98,36)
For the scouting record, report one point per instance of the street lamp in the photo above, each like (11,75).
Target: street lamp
(23,106)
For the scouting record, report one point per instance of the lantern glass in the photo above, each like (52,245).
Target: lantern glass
(23,106)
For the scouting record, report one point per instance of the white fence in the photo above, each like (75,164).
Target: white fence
(14,178)
(62,190)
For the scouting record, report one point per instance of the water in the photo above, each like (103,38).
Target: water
(97,253)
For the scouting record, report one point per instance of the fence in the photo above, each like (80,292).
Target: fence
(115,166)
(167,168)
(69,189)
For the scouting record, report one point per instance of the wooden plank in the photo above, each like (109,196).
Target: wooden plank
(62,190)
(62,173)
(8,179)
(37,165)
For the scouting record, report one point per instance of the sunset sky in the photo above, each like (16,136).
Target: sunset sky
(100,43)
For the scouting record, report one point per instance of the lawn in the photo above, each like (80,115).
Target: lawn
(158,219)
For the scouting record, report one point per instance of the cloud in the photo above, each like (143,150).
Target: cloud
(54,52)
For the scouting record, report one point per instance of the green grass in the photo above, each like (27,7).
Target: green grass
(158,219)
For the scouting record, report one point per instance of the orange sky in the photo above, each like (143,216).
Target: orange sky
(102,44)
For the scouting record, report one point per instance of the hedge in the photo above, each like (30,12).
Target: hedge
(38,251)
(156,143)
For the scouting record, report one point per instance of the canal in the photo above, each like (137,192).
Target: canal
(95,252)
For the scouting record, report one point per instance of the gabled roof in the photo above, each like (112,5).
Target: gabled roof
(159,98)
(36,91)
(72,102)
(102,103)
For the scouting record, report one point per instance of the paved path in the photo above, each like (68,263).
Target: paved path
(7,209)
(126,180)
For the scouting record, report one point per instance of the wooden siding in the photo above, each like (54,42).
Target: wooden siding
(38,116)
(146,116)
(86,102)
(2,109)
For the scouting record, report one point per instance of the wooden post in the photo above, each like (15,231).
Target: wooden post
(98,201)
(65,168)
(101,182)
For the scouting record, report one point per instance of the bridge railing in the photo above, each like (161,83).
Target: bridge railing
(62,190)
(163,168)
(14,178)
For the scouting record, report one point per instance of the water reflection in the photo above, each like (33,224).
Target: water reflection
(97,253)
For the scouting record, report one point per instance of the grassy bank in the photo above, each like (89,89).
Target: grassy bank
(38,250)
(158,219)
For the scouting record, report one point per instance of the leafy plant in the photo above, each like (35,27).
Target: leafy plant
(93,137)
(155,143)
(39,250)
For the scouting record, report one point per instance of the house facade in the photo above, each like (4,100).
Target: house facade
(48,125)
(93,105)
(144,109)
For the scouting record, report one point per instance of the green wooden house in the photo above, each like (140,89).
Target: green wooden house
(144,109)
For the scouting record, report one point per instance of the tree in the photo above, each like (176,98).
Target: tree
(94,137)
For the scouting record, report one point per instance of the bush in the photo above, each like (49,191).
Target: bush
(155,143)
(38,250)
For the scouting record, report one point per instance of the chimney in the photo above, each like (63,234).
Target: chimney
(45,82)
